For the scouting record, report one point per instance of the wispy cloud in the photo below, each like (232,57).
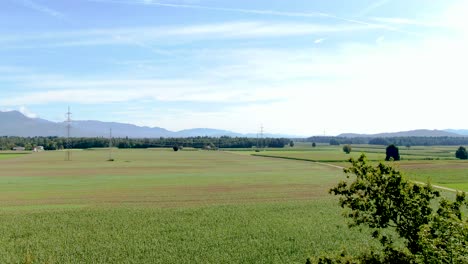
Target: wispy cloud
(239,10)
(25,111)
(406,21)
(320,40)
(380,40)
(41,8)
(372,7)
(146,36)
(261,12)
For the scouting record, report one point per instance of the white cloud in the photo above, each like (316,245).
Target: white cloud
(320,40)
(380,40)
(357,87)
(25,111)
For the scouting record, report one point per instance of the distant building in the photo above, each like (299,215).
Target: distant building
(19,148)
(38,149)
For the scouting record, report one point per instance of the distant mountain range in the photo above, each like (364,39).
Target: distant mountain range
(463,132)
(14,123)
(412,133)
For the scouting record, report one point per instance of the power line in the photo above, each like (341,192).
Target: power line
(110,144)
(68,144)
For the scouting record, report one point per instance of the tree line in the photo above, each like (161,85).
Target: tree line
(54,143)
(399,141)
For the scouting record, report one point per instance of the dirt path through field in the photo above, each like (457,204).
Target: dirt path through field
(341,168)
(417,182)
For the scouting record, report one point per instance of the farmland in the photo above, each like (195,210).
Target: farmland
(435,164)
(161,206)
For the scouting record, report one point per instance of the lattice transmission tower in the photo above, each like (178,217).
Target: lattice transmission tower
(68,154)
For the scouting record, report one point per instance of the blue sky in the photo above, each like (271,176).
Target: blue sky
(298,66)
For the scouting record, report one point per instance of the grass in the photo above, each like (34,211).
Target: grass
(9,155)
(164,177)
(251,233)
(161,206)
(434,164)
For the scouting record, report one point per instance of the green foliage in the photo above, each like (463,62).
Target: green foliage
(175,148)
(54,143)
(446,225)
(461,153)
(347,149)
(393,153)
(381,198)
(400,141)
(334,142)
(314,144)
(291,143)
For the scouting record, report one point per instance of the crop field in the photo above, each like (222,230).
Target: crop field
(437,165)
(160,206)
(9,155)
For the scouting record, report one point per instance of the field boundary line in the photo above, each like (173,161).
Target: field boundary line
(339,167)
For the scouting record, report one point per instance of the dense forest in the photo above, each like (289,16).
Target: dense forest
(399,141)
(53,143)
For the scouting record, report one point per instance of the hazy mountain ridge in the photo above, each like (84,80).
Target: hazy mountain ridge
(411,133)
(14,123)
(463,132)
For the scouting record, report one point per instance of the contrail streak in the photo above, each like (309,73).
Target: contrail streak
(260,12)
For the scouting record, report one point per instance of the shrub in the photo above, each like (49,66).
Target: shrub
(347,149)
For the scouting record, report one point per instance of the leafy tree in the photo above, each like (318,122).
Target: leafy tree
(392,153)
(347,149)
(314,145)
(291,143)
(378,141)
(175,148)
(381,198)
(461,153)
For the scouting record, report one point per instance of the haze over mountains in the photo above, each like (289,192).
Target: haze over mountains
(412,133)
(14,123)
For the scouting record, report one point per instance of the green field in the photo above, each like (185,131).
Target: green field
(9,155)
(159,206)
(435,164)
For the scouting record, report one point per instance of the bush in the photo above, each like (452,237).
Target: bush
(347,149)
(175,148)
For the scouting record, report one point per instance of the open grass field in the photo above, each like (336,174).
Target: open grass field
(159,206)
(10,155)
(435,164)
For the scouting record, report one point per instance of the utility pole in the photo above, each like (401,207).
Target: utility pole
(68,143)
(110,144)
(261,136)
(256,145)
